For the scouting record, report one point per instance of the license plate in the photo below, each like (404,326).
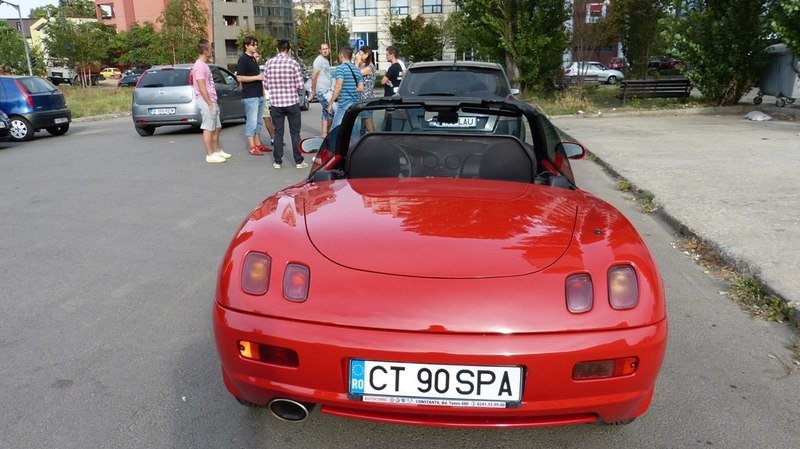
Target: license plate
(463,122)
(162,111)
(439,385)
(61,120)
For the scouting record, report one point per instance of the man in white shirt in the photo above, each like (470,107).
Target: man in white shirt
(322,84)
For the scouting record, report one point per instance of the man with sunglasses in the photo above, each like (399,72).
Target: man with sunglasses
(251,78)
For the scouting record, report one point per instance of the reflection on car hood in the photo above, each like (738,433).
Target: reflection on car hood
(441,228)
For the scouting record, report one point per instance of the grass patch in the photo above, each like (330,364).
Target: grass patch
(598,99)
(645,200)
(89,101)
(753,296)
(623,185)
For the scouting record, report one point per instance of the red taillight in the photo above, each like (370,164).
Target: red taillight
(295,282)
(604,369)
(255,273)
(191,77)
(623,290)
(25,94)
(580,293)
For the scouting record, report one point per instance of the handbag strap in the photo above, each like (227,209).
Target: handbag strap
(355,80)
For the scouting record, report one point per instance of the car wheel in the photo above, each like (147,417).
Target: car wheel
(59,130)
(621,423)
(21,129)
(790,100)
(758,100)
(612,79)
(780,102)
(304,104)
(145,131)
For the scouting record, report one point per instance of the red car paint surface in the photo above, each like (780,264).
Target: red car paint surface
(443,272)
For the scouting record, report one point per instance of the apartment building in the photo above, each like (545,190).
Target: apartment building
(368,20)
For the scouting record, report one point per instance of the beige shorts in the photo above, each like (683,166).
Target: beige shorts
(208,120)
(266,108)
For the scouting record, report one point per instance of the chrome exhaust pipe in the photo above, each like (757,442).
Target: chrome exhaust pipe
(289,410)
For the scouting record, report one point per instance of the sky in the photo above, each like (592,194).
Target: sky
(25,6)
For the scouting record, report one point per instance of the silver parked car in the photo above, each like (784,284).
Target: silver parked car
(164,96)
(594,68)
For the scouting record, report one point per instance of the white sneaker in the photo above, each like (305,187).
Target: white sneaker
(276,166)
(303,164)
(222,153)
(214,158)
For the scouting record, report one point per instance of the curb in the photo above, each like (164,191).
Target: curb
(793,112)
(739,264)
(98,118)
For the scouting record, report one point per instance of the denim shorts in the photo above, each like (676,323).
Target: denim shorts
(253,111)
(324,103)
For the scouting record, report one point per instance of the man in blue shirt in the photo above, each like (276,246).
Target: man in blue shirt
(348,82)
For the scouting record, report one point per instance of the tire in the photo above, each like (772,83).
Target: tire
(21,129)
(611,80)
(758,100)
(59,130)
(780,102)
(790,100)
(145,131)
(620,423)
(304,103)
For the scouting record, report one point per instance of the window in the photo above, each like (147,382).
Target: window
(231,21)
(231,50)
(106,11)
(431,6)
(400,7)
(363,8)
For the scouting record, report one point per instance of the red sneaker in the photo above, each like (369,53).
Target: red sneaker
(255,151)
(264,148)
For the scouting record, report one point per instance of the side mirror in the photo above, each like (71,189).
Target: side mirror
(311,144)
(514,91)
(573,150)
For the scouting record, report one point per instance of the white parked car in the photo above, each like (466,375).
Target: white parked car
(594,68)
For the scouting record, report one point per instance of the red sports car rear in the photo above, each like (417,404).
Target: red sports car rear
(468,302)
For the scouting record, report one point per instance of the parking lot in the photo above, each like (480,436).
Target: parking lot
(111,243)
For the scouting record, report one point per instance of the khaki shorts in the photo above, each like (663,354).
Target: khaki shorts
(266,108)
(209,120)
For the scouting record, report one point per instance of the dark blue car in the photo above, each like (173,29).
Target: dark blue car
(5,126)
(33,103)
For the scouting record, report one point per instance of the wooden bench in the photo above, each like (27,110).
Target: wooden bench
(654,88)
(588,80)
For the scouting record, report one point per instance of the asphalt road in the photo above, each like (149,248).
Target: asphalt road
(109,245)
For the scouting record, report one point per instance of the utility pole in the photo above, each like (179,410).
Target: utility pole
(22,32)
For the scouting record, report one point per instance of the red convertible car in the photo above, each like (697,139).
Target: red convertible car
(443,269)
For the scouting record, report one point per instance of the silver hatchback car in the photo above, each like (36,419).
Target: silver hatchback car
(165,96)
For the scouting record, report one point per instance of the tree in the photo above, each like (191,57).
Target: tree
(459,33)
(83,44)
(786,22)
(183,24)
(722,44)
(74,8)
(266,43)
(13,51)
(319,27)
(417,39)
(140,45)
(638,22)
(529,35)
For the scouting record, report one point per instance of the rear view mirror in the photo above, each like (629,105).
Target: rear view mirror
(311,144)
(573,150)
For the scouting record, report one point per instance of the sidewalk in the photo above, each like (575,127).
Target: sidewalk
(730,181)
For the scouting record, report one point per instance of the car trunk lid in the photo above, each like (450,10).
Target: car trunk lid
(441,228)
(164,86)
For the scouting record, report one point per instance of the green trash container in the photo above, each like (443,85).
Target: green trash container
(779,78)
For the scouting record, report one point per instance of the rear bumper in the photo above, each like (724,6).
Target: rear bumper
(47,119)
(185,114)
(549,397)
